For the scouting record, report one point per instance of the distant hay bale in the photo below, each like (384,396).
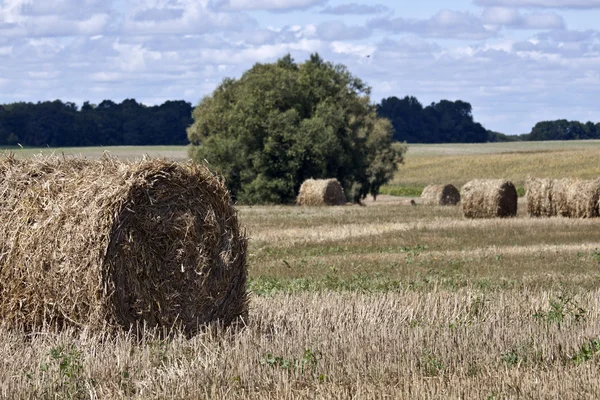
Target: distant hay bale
(574,198)
(577,198)
(540,200)
(440,195)
(493,198)
(102,244)
(321,192)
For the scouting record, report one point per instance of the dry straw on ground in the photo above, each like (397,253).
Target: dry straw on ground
(106,244)
(440,195)
(321,192)
(573,198)
(489,198)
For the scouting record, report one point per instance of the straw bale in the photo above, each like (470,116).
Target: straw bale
(321,192)
(489,199)
(105,245)
(540,197)
(440,195)
(576,198)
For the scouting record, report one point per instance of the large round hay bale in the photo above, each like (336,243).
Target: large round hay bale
(540,197)
(576,198)
(440,195)
(321,192)
(106,244)
(572,198)
(490,198)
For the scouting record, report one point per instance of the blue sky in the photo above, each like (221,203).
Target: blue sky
(516,61)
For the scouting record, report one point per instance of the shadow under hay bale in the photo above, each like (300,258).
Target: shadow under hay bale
(492,198)
(102,244)
(573,198)
(321,192)
(440,195)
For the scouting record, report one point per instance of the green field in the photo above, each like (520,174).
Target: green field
(386,300)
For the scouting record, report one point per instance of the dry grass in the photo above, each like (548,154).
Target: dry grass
(517,166)
(101,243)
(439,344)
(421,303)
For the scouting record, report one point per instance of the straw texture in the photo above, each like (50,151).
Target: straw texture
(321,192)
(573,198)
(440,195)
(105,244)
(492,198)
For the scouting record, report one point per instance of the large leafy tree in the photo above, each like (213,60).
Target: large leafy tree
(284,122)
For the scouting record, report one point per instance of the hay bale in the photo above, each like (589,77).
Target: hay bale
(540,197)
(576,198)
(440,195)
(104,244)
(489,199)
(321,192)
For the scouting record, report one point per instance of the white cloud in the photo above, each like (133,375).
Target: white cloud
(29,18)
(510,17)
(271,5)
(182,17)
(356,9)
(337,30)
(446,24)
(352,49)
(541,3)
(43,75)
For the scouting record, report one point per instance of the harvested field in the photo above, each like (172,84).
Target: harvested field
(103,244)
(366,302)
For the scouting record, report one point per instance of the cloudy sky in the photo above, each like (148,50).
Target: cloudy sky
(516,61)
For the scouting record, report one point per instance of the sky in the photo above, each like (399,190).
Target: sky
(517,62)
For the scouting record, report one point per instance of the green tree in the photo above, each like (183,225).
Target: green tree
(384,155)
(284,122)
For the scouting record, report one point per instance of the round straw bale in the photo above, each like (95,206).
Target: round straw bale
(576,198)
(540,197)
(440,195)
(103,244)
(321,192)
(489,199)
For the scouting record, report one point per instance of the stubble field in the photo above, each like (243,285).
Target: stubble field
(382,301)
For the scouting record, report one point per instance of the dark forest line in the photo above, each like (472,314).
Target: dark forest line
(453,122)
(64,124)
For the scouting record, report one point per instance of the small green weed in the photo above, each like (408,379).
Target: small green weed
(587,351)
(308,363)
(430,364)
(65,362)
(559,309)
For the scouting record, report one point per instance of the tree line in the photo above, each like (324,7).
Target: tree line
(60,124)
(452,122)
